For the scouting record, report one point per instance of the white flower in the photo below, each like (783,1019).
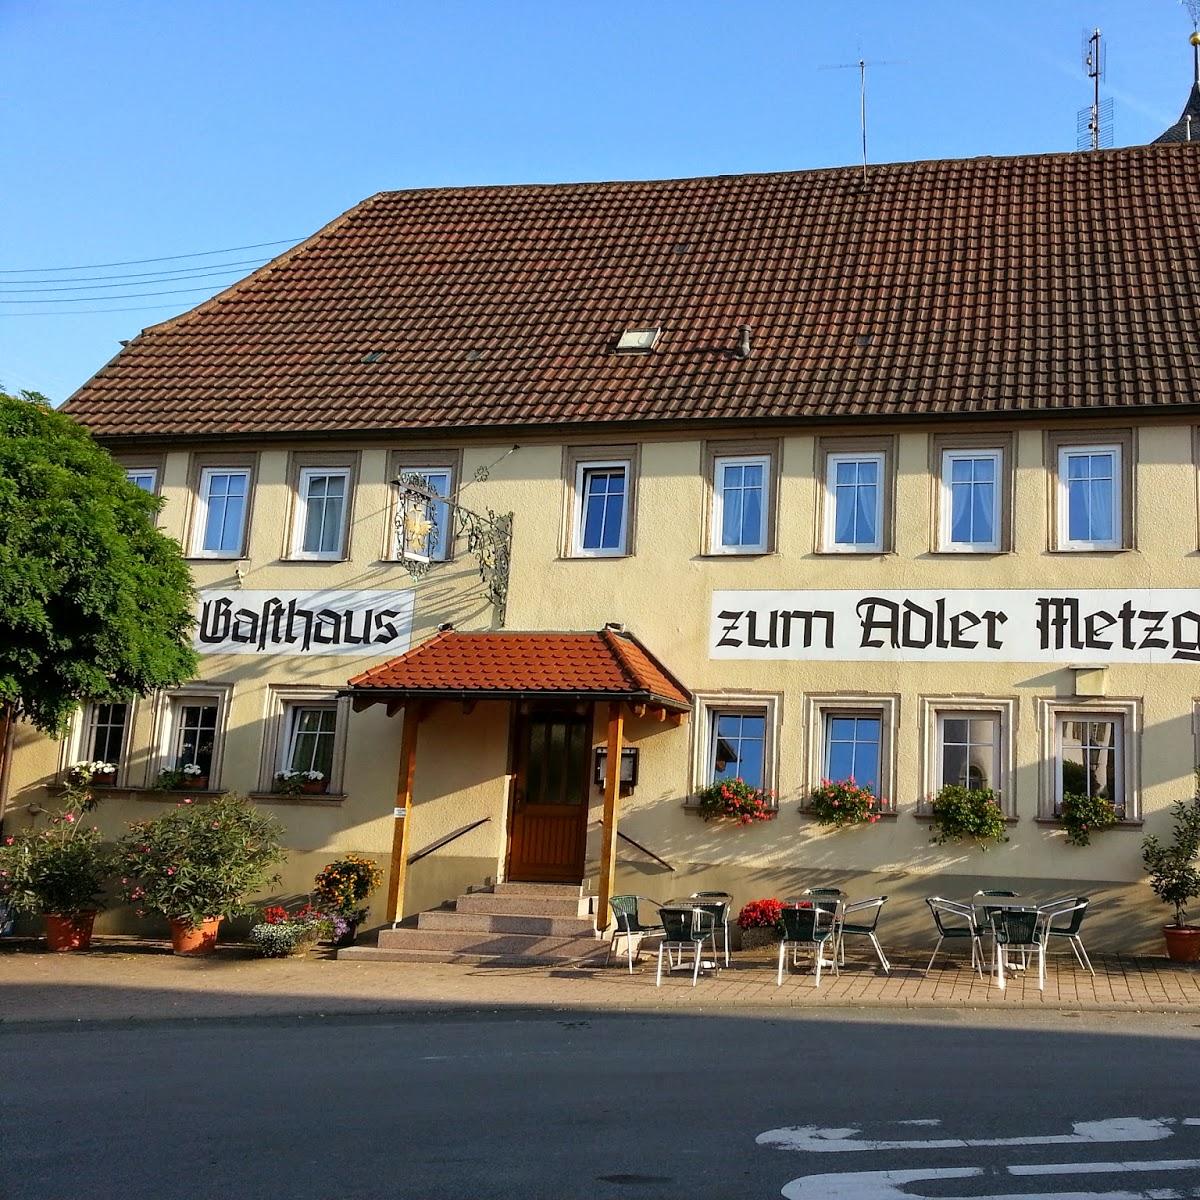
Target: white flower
(288,775)
(315,776)
(193,769)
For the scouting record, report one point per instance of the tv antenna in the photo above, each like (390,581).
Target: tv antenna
(1093,125)
(861,67)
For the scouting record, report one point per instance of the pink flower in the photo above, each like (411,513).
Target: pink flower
(8,841)
(69,818)
(170,870)
(185,802)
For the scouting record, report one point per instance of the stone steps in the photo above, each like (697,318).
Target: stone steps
(512,924)
(467,922)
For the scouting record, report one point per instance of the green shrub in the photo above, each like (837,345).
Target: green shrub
(1174,877)
(963,814)
(1083,815)
(280,940)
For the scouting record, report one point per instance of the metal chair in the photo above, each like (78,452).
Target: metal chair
(720,903)
(867,914)
(811,927)
(1021,929)
(951,931)
(629,926)
(684,929)
(1074,907)
(988,910)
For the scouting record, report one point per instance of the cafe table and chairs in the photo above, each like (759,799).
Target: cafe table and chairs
(686,927)
(808,928)
(719,904)
(1019,928)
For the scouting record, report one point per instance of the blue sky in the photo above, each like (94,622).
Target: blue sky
(142,129)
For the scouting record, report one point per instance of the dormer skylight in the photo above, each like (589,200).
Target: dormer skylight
(638,341)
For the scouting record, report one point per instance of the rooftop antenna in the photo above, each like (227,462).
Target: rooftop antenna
(861,66)
(1093,125)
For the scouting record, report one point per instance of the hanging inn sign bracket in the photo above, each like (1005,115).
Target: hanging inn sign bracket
(424,518)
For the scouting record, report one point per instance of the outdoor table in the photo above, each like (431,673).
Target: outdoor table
(713,907)
(1007,903)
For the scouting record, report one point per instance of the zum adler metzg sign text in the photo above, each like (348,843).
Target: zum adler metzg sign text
(1001,625)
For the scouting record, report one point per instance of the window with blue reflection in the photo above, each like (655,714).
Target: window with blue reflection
(855,487)
(974,509)
(1091,482)
(738,747)
(741,491)
(224,495)
(852,744)
(602,518)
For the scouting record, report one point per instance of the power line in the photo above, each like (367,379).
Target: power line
(133,262)
(162,276)
(7,290)
(83,312)
(128,296)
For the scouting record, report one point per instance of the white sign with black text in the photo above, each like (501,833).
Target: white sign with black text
(1126,625)
(287,622)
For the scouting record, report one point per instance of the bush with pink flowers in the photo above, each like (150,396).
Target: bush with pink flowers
(735,798)
(842,802)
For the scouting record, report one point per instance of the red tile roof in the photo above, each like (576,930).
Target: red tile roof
(607,664)
(987,285)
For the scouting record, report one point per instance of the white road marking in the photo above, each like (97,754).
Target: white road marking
(814,1139)
(889,1185)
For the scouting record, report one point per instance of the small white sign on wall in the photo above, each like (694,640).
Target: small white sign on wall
(349,623)
(1064,625)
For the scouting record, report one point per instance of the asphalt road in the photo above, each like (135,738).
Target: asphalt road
(847,1106)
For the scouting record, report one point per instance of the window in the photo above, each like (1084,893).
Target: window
(741,490)
(221,515)
(852,737)
(854,486)
(968,750)
(438,479)
(1089,498)
(144,477)
(320,530)
(1089,759)
(189,726)
(193,739)
(602,509)
(853,743)
(104,733)
(735,738)
(311,736)
(971,500)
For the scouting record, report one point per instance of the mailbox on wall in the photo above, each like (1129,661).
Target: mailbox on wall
(629,766)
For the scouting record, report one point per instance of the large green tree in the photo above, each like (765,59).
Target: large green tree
(95,602)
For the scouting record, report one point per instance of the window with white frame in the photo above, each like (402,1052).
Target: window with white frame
(310,738)
(104,732)
(968,750)
(438,480)
(854,748)
(854,494)
(1090,758)
(220,527)
(601,519)
(144,477)
(737,745)
(320,525)
(1089,497)
(741,491)
(971,500)
(194,733)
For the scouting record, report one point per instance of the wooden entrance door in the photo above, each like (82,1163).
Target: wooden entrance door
(548,822)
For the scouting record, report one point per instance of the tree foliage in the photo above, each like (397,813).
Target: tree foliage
(95,602)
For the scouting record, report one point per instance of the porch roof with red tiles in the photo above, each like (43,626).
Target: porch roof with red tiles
(608,664)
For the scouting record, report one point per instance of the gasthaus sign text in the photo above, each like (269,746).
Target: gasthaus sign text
(1064,625)
(286,622)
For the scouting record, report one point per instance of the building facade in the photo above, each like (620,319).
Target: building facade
(899,483)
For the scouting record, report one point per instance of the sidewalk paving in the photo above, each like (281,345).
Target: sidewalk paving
(123,980)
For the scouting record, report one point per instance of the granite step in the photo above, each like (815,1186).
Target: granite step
(492,945)
(523,905)
(516,888)
(471,922)
(462,958)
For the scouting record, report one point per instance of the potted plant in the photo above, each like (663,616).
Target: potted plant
(1082,815)
(295,783)
(58,869)
(341,889)
(281,934)
(759,923)
(198,863)
(93,774)
(1174,876)
(189,777)
(737,799)
(962,814)
(843,802)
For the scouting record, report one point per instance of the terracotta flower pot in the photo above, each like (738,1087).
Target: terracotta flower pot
(197,783)
(313,787)
(194,939)
(104,779)
(1183,942)
(70,932)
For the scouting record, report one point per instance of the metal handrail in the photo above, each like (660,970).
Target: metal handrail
(649,853)
(445,841)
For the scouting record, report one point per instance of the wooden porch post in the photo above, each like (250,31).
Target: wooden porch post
(402,814)
(608,827)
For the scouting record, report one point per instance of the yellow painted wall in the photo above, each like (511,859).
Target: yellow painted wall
(662,593)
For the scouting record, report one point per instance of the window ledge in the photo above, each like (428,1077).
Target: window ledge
(1091,550)
(127,791)
(736,555)
(291,559)
(692,806)
(1123,823)
(315,799)
(889,814)
(593,557)
(855,553)
(214,558)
